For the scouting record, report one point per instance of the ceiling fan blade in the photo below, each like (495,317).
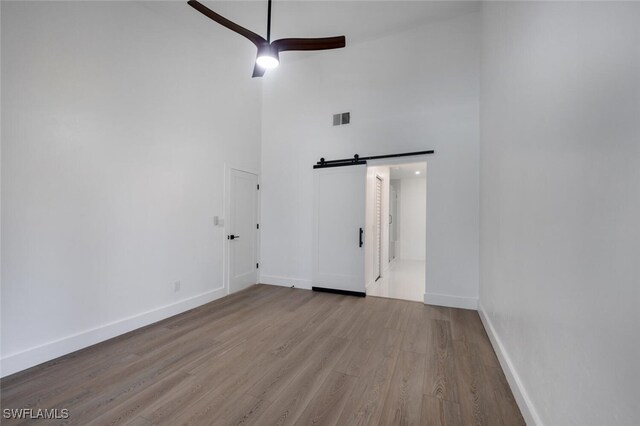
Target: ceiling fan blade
(258,71)
(309,43)
(253,37)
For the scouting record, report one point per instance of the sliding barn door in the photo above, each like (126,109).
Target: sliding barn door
(338,233)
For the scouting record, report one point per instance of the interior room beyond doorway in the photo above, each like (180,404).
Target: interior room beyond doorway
(395,243)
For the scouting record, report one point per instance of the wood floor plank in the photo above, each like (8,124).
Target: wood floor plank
(477,398)
(399,313)
(439,412)
(357,323)
(404,399)
(320,351)
(131,408)
(227,374)
(138,421)
(365,403)
(328,402)
(169,406)
(315,314)
(304,387)
(416,333)
(63,391)
(467,326)
(279,355)
(242,409)
(361,346)
(216,388)
(203,411)
(438,312)
(509,411)
(351,318)
(439,378)
(243,306)
(108,394)
(283,370)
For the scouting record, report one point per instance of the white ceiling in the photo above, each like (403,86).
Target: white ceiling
(405,171)
(357,20)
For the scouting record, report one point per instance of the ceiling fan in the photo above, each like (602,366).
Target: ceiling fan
(268,51)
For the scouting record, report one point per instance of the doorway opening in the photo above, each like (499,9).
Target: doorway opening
(352,240)
(395,249)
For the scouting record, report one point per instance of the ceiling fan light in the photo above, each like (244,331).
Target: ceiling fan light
(268,57)
(267,61)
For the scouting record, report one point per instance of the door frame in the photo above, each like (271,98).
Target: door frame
(407,160)
(227,215)
(393,220)
(378,178)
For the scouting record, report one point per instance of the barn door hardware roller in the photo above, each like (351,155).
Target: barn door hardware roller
(363,160)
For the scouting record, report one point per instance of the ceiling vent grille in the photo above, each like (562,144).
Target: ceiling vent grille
(342,118)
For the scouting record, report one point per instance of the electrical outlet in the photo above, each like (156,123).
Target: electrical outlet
(176,286)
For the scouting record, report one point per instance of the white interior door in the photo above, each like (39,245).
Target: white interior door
(242,230)
(377,261)
(338,235)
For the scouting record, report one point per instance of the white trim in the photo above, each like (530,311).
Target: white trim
(286,281)
(525,404)
(450,301)
(48,351)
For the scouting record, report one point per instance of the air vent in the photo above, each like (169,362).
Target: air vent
(342,118)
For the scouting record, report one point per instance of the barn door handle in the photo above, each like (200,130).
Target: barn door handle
(361,231)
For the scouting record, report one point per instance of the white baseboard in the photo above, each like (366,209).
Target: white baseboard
(450,301)
(37,355)
(525,404)
(286,281)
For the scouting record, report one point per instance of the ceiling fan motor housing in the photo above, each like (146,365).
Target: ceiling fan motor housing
(268,50)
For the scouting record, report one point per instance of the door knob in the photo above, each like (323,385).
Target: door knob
(233,237)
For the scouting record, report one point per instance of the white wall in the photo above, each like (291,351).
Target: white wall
(430,101)
(118,118)
(560,270)
(413,209)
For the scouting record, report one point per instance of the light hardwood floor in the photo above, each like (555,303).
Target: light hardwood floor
(274,355)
